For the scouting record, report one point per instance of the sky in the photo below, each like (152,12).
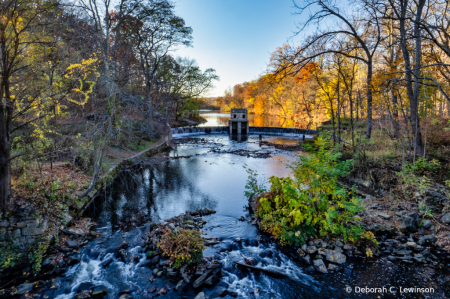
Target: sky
(235,37)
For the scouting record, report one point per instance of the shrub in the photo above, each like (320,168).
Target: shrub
(9,254)
(253,186)
(409,175)
(182,247)
(311,203)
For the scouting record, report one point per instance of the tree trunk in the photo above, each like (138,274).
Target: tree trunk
(338,113)
(369,99)
(418,57)
(413,98)
(5,121)
(395,115)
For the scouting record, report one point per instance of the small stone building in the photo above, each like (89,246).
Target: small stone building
(238,121)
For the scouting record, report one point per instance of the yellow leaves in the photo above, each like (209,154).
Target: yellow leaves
(81,72)
(85,68)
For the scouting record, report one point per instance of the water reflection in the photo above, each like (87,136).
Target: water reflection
(217,119)
(217,181)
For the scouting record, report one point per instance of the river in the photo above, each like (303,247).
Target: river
(209,176)
(217,118)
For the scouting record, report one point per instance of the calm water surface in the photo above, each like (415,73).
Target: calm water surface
(216,118)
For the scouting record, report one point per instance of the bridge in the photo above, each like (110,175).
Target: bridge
(186,131)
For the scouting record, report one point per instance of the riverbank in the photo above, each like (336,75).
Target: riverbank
(206,172)
(47,212)
(407,219)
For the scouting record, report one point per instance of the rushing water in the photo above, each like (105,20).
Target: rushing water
(206,178)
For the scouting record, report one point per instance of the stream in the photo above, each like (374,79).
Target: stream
(214,180)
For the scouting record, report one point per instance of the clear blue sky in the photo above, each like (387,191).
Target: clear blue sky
(236,37)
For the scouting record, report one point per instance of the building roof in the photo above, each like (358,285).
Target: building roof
(238,110)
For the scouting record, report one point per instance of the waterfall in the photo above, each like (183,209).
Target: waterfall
(186,131)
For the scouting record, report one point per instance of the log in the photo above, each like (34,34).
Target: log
(271,272)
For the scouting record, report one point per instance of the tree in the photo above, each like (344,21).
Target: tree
(364,29)
(188,82)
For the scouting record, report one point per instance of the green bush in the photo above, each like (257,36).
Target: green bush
(311,203)
(253,186)
(409,176)
(182,247)
(9,254)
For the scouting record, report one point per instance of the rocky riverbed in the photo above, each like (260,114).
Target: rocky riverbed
(405,238)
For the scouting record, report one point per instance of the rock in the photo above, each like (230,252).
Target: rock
(311,249)
(307,259)
(320,266)
(213,278)
(153,225)
(391,258)
(411,223)
(172,226)
(446,218)
(25,287)
(213,295)
(348,247)
(201,279)
(427,239)
(82,295)
(427,224)
(46,262)
(232,293)
(159,274)
(404,252)
(384,216)
(200,295)
(213,266)
(155,271)
(322,251)
(72,244)
(338,249)
(155,260)
(71,260)
(21,224)
(339,243)
(335,257)
(304,247)
(222,292)
(332,267)
(84,286)
(164,263)
(77,232)
(4,223)
(180,285)
(373,206)
(411,244)
(14,234)
(105,263)
(97,294)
